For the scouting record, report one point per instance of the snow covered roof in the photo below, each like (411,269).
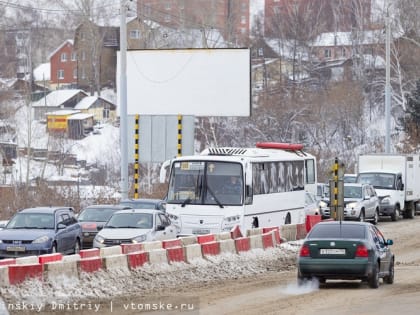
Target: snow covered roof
(43,72)
(63,112)
(376,62)
(80,116)
(349,38)
(67,41)
(86,102)
(56,98)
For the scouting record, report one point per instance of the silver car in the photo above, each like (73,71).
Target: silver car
(135,226)
(361,202)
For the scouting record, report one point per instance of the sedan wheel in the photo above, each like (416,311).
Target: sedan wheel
(362,216)
(77,247)
(376,217)
(374,278)
(389,279)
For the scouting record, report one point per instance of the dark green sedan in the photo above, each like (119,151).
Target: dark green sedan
(346,250)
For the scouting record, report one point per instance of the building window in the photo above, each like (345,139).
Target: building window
(105,113)
(63,57)
(60,74)
(83,73)
(73,56)
(327,53)
(167,18)
(260,52)
(244,7)
(83,55)
(75,73)
(243,30)
(243,19)
(147,9)
(135,34)
(167,6)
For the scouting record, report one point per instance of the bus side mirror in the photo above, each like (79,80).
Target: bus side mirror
(164,171)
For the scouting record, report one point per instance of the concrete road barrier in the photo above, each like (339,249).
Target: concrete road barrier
(223,236)
(74,257)
(20,273)
(148,246)
(28,260)
(115,262)
(193,252)
(268,239)
(256,241)
(227,246)
(201,239)
(288,232)
(158,256)
(89,253)
(137,259)
(110,251)
(171,243)
(256,231)
(4,276)
(132,248)
(175,254)
(242,244)
(210,248)
(188,240)
(57,269)
(43,259)
(7,261)
(276,230)
(91,264)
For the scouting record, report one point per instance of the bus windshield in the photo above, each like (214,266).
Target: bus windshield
(206,183)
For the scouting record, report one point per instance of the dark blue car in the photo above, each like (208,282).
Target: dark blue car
(41,230)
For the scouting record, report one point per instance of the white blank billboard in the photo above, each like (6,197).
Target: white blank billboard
(197,82)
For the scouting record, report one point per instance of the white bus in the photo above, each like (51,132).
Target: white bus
(249,187)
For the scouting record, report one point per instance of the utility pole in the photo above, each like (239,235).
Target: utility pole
(387,81)
(123,101)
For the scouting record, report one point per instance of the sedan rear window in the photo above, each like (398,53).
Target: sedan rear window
(338,231)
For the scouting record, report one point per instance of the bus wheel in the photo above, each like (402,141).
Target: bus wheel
(288,219)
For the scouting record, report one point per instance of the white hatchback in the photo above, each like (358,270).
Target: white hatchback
(135,226)
(361,202)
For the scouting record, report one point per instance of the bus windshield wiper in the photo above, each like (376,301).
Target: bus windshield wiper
(214,196)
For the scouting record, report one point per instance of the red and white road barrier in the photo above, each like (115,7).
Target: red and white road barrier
(132,256)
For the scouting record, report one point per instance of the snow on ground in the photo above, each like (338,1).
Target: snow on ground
(151,279)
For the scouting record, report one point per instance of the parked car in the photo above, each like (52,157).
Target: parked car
(360,202)
(144,203)
(3,223)
(346,251)
(135,226)
(93,218)
(41,230)
(312,205)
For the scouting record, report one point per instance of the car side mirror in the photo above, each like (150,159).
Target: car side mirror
(61,226)
(160,228)
(389,242)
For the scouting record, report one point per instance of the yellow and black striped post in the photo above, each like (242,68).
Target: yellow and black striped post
(334,204)
(179,147)
(136,156)
(337,191)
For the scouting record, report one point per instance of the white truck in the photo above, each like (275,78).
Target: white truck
(396,179)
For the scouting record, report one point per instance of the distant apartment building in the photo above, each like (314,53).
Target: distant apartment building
(63,66)
(96,49)
(229,17)
(288,17)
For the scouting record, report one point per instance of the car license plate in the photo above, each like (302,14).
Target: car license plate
(201,231)
(15,248)
(332,251)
